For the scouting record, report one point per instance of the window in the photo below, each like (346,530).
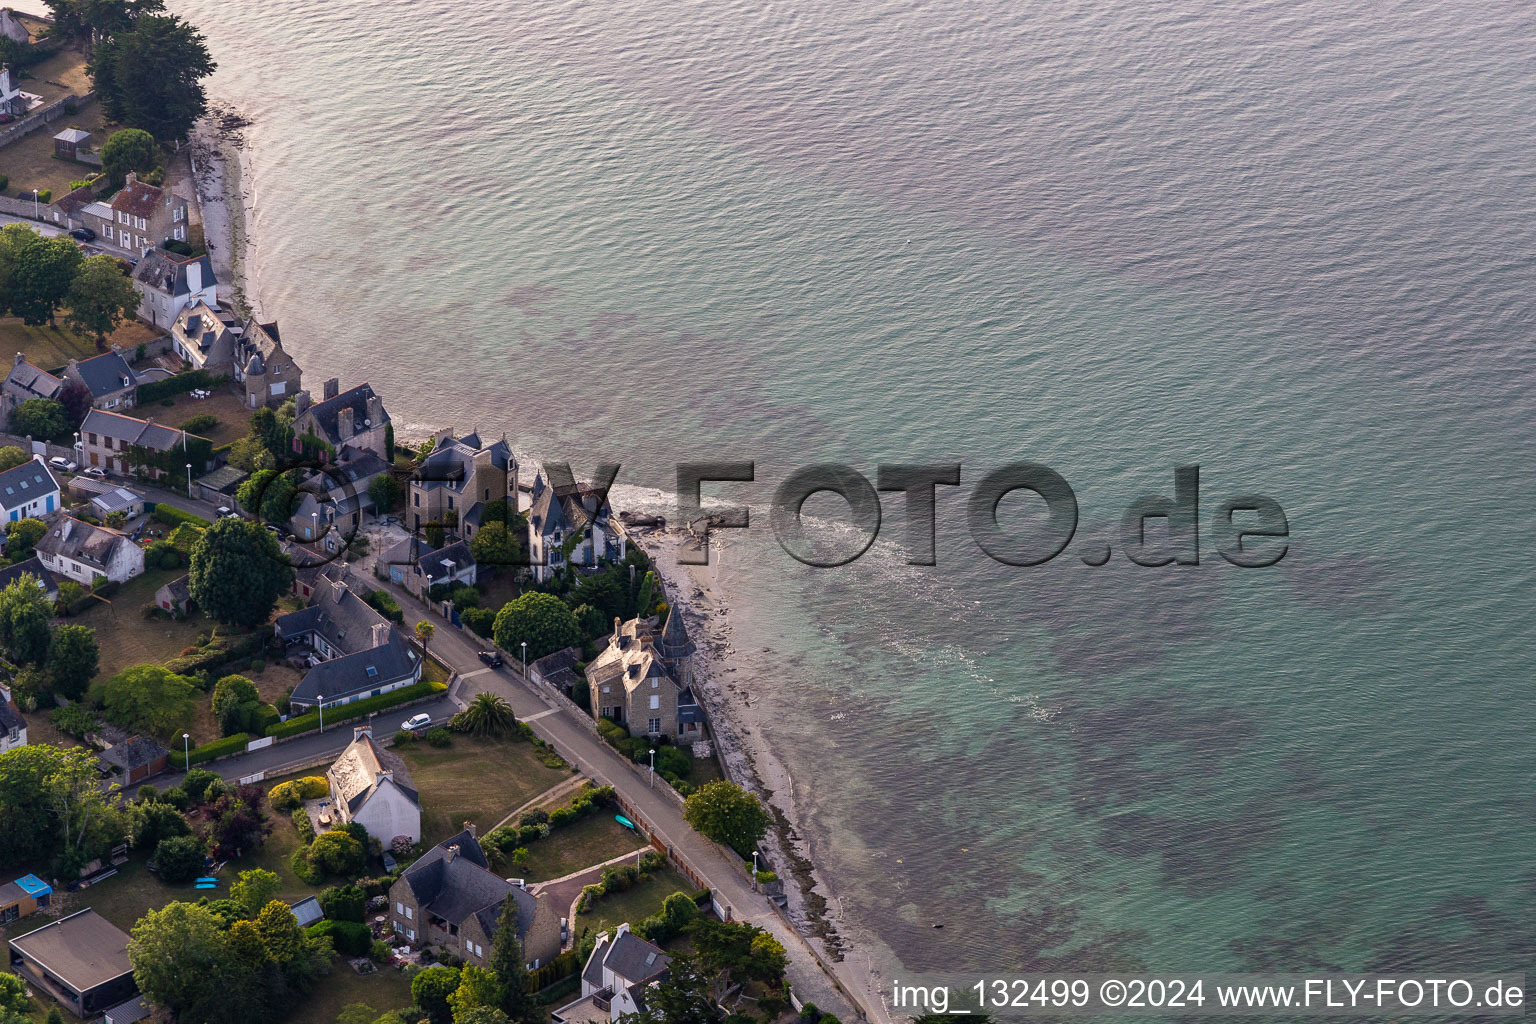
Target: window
(450,501)
(655,702)
(410,933)
(407,913)
(654,725)
(654,684)
(416,500)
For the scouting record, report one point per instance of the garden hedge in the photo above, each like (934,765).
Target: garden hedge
(209,751)
(304,723)
(180,384)
(170,515)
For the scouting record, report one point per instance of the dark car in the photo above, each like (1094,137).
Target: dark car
(83,235)
(491,658)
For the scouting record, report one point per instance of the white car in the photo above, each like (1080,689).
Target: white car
(95,471)
(60,462)
(416,722)
(225,511)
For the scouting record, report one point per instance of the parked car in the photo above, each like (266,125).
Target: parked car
(491,658)
(274,531)
(416,722)
(83,235)
(60,462)
(225,510)
(95,471)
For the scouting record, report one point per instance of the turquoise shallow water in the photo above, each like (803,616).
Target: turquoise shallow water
(1289,241)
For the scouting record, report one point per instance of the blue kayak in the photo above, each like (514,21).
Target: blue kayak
(625,822)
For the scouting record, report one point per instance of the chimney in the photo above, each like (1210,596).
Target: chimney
(338,589)
(195,276)
(19,359)
(375,410)
(380,634)
(359,731)
(469,827)
(344,424)
(440,436)
(622,929)
(133,178)
(300,403)
(453,851)
(332,389)
(618,625)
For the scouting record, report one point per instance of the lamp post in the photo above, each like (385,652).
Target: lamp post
(653,768)
(189,479)
(525,660)
(35,215)
(186,750)
(321,703)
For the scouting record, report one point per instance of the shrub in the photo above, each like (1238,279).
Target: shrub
(404,737)
(45,195)
(439,737)
(201,422)
(73,720)
(176,797)
(808,1012)
(306,722)
(481,620)
(148,793)
(386,606)
(562,816)
(401,846)
(179,859)
(170,515)
(344,903)
(303,825)
(533,817)
(196,784)
(767,877)
(350,937)
(337,853)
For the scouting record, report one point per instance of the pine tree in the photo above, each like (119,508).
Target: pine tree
(506,962)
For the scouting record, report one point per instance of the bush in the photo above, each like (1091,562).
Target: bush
(306,722)
(170,515)
(533,817)
(344,903)
(404,737)
(439,737)
(285,796)
(303,826)
(208,751)
(350,937)
(73,720)
(201,422)
(179,859)
(562,816)
(196,784)
(481,621)
(162,554)
(386,606)
(45,195)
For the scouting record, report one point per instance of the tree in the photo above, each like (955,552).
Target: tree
(435,534)
(385,493)
(488,714)
(481,1015)
(255,889)
(42,419)
(37,271)
(592,622)
(249,454)
(728,814)
(768,960)
(21,537)
(237,705)
(237,571)
(55,808)
(149,699)
(510,969)
(477,987)
(357,1013)
(431,989)
(494,544)
(11,457)
(152,823)
(24,616)
(424,631)
(179,859)
(75,397)
(337,853)
(281,936)
(344,903)
(280,499)
(127,149)
(73,658)
(542,620)
(54,1016)
(684,997)
(645,599)
(150,77)
(101,297)
(180,958)
(13,994)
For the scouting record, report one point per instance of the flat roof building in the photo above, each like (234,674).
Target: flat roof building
(81,960)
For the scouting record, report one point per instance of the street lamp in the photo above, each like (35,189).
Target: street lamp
(754,865)
(189,479)
(525,660)
(35,214)
(186,749)
(653,768)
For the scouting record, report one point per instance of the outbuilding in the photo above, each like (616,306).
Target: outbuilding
(27,895)
(81,960)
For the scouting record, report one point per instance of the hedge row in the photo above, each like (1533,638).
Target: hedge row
(220,652)
(170,515)
(305,827)
(386,606)
(209,751)
(349,937)
(180,384)
(304,723)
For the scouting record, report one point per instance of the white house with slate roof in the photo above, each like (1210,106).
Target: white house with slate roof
(108,377)
(206,337)
(354,651)
(13,728)
(28,491)
(614,981)
(372,786)
(82,552)
(559,514)
(168,283)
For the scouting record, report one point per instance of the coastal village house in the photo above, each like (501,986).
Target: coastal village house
(118,443)
(34,568)
(644,682)
(28,491)
(204,337)
(168,283)
(175,597)
(344,419)
(450,898)
(24,382)
(372,786)
(337,496)
(266,372)
(80,960)
(134,760)
(108,377)
(354,652)
(453,485)
(615,978)
(82,552)
(558,514)
(140,217)
(450,564)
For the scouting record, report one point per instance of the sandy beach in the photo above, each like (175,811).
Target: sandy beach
(221,178)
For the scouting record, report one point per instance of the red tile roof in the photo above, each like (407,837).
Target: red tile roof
(137,199)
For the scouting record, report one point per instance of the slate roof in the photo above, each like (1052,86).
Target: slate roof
(34,381)
(131,1012)
(10,717)
(559,669)
(674,635)
(31,566)
(138,199)
(356,399)
(84,949)
(104,374)
(134,752)
(167,272)
(116,500)
(358,773)
(436,565)
(201,327)
(450,463)
(458,887)
(71,538)
(26,482)
(634,959)
(346,622)
(308,911)
(178,590)
(131,430)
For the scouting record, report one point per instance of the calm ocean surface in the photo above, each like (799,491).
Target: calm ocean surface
(1291,241)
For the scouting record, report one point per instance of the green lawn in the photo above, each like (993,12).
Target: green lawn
(474,780)
(53,347)
(633,905)
(126,638)
(386,989)
(591,840)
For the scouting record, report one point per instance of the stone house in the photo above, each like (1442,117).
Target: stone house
(450,564)
(140,217)
(168,283)
(461,476)
(175,597)
(204,336)
(268,374)
(134,760)
(28,491)
(345,419)
(82,552)
(354,652)
(108,377)
(25,382)
(107,440)
(372,786)
(558,514)
(644,682)
(451,898)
